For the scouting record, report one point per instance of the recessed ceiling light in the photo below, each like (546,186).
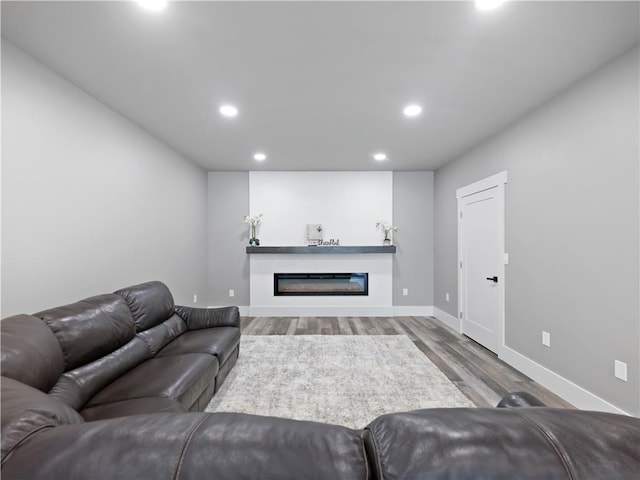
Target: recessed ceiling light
(412,110)
(488,4)
(379,156)
(228,110)
(153,5)
(260,156)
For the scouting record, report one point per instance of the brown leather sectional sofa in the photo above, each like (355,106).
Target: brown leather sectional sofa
(112,388)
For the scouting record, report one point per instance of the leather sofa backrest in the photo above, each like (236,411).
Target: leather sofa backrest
(91,328)
(496,443)
(30,352)
(26,411)
(184,446)
(150,303)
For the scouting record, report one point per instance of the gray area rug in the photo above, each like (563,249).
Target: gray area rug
(345,380)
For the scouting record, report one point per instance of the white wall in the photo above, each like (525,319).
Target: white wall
(347,204)
(90,202)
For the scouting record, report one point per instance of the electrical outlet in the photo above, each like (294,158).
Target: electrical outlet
(195,298)
(405,291)
(546,339)
(232,293)
(620,370)
(446,297)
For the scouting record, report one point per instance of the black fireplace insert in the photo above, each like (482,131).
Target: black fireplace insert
(320,284)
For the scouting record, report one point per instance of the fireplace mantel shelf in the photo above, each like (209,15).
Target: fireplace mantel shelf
(324,250)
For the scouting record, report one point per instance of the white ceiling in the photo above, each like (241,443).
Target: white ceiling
(321,85)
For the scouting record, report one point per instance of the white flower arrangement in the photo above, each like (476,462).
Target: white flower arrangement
(253,221)
(386,228)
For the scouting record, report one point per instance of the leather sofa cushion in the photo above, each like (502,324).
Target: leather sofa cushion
(30,353)
(140,447)
(136,406)
(220,341)
(26,411)
(91,328)
(251,446)
(181,377)
(150,303)
(193,446)
(532,443)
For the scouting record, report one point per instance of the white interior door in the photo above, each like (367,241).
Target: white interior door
(481,252)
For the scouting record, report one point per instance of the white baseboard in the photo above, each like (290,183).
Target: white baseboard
(413,311)
(320,311)
(446,318)
(572,393)
(336,311)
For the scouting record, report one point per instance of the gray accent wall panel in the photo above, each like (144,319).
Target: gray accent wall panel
(413,215)
(572,230)
(90,202)
(228,238)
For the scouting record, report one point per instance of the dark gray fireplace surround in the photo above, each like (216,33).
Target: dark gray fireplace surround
(320,284)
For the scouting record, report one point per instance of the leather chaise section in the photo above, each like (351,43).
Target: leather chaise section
(182,378)
(91,328)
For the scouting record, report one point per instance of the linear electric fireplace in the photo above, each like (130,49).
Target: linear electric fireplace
(320,284)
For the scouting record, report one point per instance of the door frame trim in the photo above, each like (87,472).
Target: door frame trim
(494,181)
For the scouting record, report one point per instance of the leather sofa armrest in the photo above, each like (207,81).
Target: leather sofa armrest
(520,399)
(198,318)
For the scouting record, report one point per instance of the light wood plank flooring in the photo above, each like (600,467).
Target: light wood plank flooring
(477,372)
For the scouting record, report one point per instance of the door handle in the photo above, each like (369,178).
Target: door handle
(494,279)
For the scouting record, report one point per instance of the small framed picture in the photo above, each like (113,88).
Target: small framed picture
(314,233)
